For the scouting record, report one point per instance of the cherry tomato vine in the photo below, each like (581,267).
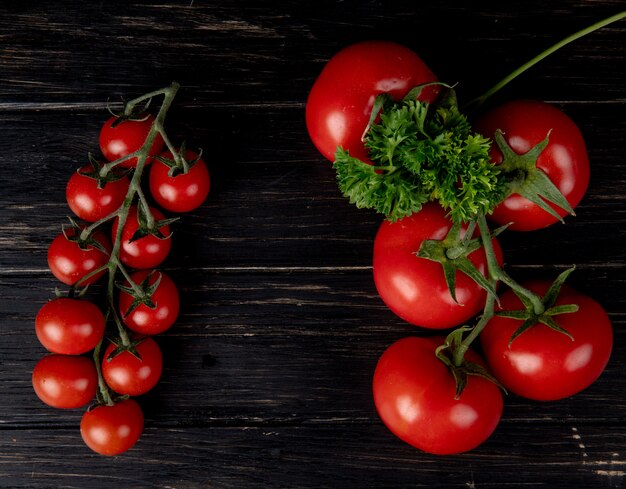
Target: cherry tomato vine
(401,145)
(141,301)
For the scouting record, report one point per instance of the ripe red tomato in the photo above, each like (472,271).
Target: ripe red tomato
(147,320)
(525,123)
(414,396)
(183,192)
(69,326)
(69,263)
(127,137)
(91,203)
(340,103)
(146,252)
(127,374)
(64,381)
(542,363)
(415,288)
(111,430)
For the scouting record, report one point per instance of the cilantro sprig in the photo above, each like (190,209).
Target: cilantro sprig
(422,152)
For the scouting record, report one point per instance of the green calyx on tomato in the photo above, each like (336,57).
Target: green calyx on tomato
(447,353)
(532,317)
(181,162)
(141,293)
(452,253)
(102,177)
(148,226)
(76,235)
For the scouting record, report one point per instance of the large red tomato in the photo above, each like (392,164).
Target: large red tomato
(414,393)
(341,100)
(542,363)
(415,288)
(131,375)
(526,123)
(118,139)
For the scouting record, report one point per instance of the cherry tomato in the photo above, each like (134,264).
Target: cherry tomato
(69,263)
(127,374)
(127,137)
(91,203)
(146,252)
(64,381)
(525,123)
(544,364)
(414,396)
(69,326)
(183,192)
(415,288)
(147,320)
(111,430)
(341,100)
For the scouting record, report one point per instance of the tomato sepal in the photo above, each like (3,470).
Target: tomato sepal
(446,353)
(525,178)
(146,228)
(452,253)
(142,295)
(96,173)
(120,348)
(531,317)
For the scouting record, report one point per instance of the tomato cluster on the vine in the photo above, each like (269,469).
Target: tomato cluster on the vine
(141,301)
(563,346)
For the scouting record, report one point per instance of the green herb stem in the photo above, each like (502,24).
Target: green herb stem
(478,101)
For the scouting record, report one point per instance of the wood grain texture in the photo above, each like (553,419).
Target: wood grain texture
(268,370)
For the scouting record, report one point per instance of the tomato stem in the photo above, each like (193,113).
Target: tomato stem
(488,313)
(497,273)
(103,389)
(478,101)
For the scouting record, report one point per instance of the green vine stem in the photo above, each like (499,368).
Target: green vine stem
(498,273)
(479,101)
(103,396)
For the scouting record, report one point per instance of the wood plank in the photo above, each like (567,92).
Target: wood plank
(558,456)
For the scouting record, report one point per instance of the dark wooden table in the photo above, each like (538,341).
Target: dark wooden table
(268,370)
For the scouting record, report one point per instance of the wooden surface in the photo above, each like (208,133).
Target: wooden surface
(268,370)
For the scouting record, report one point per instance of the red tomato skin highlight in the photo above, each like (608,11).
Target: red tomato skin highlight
(525,123)
(341,100)
(69,326)
(543,364)
(64,381)
(145,320)
(414,396)
(89,202)
(183,192)
(111,430)
(414,288)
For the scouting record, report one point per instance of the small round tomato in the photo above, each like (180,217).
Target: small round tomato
(151,320)
(111,430)
(91,203)
(526,123)
(415,288)
(69,326)
(414,394)
(127,374)
(183,192)
(64,381)
(70,263)
(544,364)
(146,252)
(118,140)
(340,103)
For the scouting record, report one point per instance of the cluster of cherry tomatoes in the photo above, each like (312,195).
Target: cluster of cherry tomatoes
(560,351)
(141,300)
